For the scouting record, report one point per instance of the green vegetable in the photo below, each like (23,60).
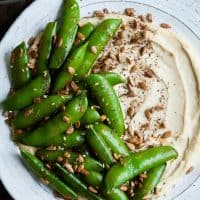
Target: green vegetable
(96,42)
(45,47)
(99,146)
(153,178)
(51,132)
(90,164)
(25,96)
(38,111)
(66,34)
(83,34)
(113,141)
(108,101)
(116,194)
(91,115)
(76,184)
(137,163)
(38,168)
(94,179)
(20,72)
(69,69)
(112,78)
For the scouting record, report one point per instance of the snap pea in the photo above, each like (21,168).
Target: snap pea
(45,47)
(112,78)
(113,141)
(20,72)
(74,61)
(116,194)
(75,183)
(136,163)
(38,168)
(96,42)
(52,156)
(94,179)
(66,34)
(99,146)
(153,177)
(25,96)
(51,132)
(108,101)
(85,32)
(38,111)
(91,115)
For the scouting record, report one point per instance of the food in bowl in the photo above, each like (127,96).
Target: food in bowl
(99,106)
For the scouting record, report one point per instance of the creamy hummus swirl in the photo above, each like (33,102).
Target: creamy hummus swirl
(163,107)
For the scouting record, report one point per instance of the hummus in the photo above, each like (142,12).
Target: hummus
(160,98)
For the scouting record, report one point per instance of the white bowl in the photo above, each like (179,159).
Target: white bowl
(20,183)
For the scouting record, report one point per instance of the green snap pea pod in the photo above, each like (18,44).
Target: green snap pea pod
(116,194)
(94,179)
(91,115)
(38,168)
(50,133)
(83,149)
(46,46)
(152,180)
(52,156)
(137,163)
(68,70)
(108,101)
(112,78)
(83,34)
(75,183)
(20,72)
(99,146)
(38,111)
(66,33)
(97,41)
(113,141)
(25,96)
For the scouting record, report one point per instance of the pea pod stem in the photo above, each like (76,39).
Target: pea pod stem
(113,141)
(66,33)
(52,131)
(90,164)
(112,78)
(20,72)
(45,46)
(91,115)
(153,177)
(69,69)
(133,165)
(98,39)
(108,101)
(38,168)
(38,111)
(99,146)
(75,183)
(116,194)
(25,96)
(93,178)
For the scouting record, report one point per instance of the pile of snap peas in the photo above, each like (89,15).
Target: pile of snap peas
(74,117)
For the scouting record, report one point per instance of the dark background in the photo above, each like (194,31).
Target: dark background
(8,13)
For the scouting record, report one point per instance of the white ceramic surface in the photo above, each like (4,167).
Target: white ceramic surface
(20,183)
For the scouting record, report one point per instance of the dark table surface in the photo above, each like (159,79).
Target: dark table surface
(8,13)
